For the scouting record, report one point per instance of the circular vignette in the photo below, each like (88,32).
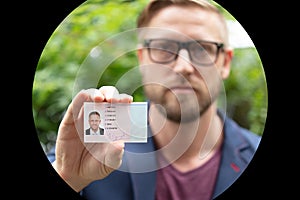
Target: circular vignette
(94,53)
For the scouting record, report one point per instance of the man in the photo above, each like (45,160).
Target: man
(94,122)
(194,151)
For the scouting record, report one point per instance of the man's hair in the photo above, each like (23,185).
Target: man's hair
(155,6)
(94,113)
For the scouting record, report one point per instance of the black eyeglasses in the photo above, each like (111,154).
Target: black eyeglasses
(201,52)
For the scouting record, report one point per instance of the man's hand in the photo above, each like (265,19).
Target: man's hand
(80,163)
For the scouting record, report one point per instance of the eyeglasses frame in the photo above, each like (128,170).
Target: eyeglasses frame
(184,45)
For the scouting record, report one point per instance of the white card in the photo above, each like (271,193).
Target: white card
(118,121)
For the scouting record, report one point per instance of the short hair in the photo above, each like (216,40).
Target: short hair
(94,113)
(155,6)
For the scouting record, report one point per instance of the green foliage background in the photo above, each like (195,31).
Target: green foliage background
(95,21)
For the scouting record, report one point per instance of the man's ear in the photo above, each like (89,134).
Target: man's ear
(139,53)
(225,70)
(140,57)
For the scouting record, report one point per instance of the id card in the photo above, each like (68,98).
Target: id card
(107,122)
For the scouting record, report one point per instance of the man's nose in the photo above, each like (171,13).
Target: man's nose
(183,63)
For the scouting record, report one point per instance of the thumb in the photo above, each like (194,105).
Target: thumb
(114,155)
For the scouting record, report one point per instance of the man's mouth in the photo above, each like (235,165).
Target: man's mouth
(182,89)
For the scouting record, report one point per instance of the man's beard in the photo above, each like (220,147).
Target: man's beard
(181,106)
(188,108)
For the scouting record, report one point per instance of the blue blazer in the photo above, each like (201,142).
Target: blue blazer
(88,131)
(136,178)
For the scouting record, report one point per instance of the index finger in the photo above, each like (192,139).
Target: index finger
(112,95)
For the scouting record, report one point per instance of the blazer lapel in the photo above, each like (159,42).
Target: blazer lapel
(233,161)
(140,160)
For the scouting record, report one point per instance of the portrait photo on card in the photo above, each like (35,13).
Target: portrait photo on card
(94,123)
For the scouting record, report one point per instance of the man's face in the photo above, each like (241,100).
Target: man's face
(94,122)
(183,89)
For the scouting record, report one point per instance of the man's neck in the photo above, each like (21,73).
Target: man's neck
(95,130)
(187,145)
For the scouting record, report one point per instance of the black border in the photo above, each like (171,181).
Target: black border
(30,26)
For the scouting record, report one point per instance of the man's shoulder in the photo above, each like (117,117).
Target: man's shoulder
(101,130)
(253,138)
(240,133)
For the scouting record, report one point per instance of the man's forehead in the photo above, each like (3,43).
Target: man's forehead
(165,33)
(94,116)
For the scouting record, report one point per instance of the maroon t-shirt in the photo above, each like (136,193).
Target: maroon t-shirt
(197,184)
